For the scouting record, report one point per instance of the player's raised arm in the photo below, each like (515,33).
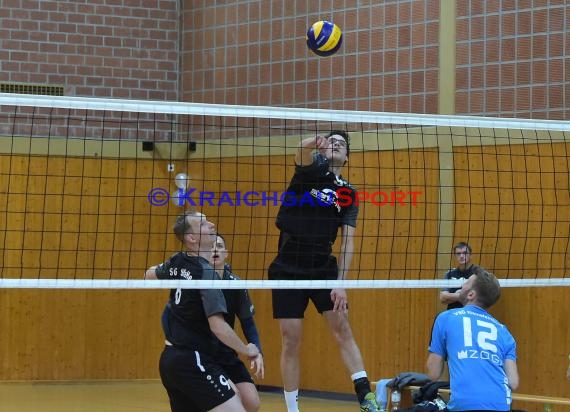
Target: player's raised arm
(307,147)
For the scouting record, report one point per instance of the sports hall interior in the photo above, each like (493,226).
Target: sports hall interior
(501,58)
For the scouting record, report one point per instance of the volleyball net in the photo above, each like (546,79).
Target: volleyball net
(90,188)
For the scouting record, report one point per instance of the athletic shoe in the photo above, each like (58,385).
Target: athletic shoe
(369,403)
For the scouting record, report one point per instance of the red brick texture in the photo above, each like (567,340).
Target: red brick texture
(512,55)
(103,48)
(512,58)
(254,53)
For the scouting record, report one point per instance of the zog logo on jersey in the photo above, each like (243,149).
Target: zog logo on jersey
(478,354)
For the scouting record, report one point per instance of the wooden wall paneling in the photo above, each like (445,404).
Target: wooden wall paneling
(116,334)
(538,319)
(123,339)
(42,334)
(60,334)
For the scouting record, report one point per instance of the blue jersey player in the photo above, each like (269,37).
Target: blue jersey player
(480,351)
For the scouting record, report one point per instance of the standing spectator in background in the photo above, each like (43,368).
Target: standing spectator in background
(464,269)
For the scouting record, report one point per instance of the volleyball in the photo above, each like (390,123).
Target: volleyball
(324,38)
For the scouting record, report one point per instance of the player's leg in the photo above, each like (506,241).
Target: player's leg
(289,307)
(340,328)
(342,333)
(291,334)
(231,405)
(243,383)
(249,396)
(352,358)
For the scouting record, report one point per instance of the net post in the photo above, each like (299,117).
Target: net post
(447,201)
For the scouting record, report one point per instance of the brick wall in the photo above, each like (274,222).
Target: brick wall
(254,53)
(512,58)
(512,55)
(103,48)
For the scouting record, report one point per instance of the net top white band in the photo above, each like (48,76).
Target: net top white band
(261,284)
(287,113)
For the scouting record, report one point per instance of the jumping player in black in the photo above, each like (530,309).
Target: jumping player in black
(239,305)
(194,325)
(309,220)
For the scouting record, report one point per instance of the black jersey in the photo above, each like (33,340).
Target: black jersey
(239,305)
(311,211)
(185,319)
(237,300)
(457,273)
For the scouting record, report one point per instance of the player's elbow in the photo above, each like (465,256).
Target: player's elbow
(512,373)
(513,381)
(434,366)
(218,325)
(150,274)
(433,375)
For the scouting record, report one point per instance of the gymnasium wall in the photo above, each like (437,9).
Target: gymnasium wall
(499,58)
(254,53)
(91,334)
(512,58)
(99,48)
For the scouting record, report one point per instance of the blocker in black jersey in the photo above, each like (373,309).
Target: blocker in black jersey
(188,309)
(194,324)
(239,306)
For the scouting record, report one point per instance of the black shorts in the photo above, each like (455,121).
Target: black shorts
(292,303)
(234,367)
(193,380)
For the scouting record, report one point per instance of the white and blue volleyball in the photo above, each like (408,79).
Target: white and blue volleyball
(324,38)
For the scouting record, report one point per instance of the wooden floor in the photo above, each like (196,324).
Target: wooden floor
(122,396)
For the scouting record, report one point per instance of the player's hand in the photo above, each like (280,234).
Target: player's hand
(321,143)
(256,364)
(340,300)
(251,350)
(313,142)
